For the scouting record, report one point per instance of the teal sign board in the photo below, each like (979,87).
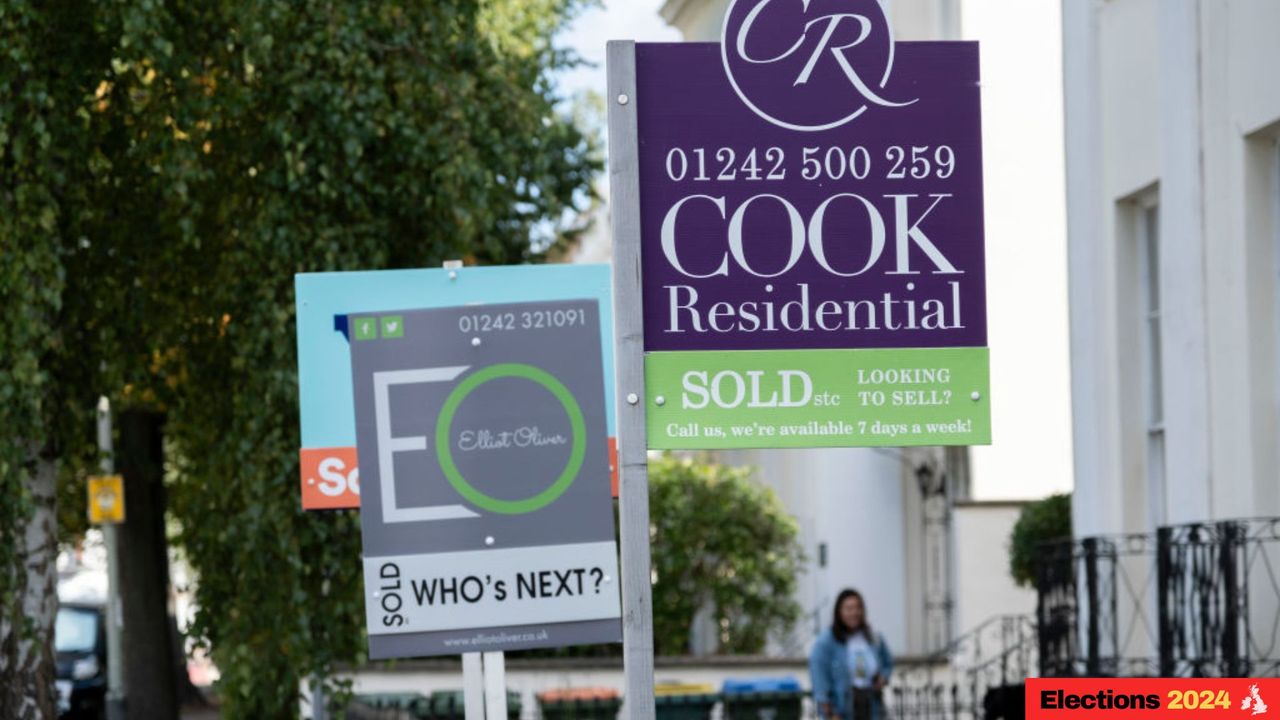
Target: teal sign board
(339,308)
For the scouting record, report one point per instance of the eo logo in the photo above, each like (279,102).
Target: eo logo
(808,65)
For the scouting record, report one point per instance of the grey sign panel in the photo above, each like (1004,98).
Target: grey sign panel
(486,510)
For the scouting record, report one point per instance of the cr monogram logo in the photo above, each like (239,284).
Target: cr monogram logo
(808,71)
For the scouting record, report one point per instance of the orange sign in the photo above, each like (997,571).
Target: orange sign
(613,465)
(330,478)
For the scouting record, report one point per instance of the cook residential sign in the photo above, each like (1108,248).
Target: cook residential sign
(811,185)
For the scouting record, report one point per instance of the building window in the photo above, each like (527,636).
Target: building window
(1149,307)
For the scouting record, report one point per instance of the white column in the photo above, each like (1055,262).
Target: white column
(1097,502)
(1182,260)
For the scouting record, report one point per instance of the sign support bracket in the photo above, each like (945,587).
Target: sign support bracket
(633,475)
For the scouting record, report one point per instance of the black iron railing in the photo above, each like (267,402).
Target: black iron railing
(1095,612)
(1219,602)
(1186,601)
(1192,600)
(979,675)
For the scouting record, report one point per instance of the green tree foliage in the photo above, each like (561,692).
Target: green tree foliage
(723,541)
(1039,522)
(42,194)
(168,167)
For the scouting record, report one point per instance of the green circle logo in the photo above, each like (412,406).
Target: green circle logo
(444,424)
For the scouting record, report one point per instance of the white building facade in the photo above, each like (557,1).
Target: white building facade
(1173,205)
(1173,115)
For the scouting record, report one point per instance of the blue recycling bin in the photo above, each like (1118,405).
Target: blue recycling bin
(763,699)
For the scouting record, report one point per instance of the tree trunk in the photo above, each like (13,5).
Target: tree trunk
(26,627)
(151,680)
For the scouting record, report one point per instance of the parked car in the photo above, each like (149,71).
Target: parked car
(80,642)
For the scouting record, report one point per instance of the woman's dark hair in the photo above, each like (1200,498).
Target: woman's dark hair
(842,631)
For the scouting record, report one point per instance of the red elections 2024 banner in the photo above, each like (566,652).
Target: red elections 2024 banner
(809,183)
(1152,698)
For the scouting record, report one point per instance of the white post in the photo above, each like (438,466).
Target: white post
(495,686)
(628,323)
(319,709)
(473,686)
(115,614)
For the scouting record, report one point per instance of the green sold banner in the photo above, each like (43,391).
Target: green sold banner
(818,398)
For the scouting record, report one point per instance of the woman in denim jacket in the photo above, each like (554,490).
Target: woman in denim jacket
(850,664)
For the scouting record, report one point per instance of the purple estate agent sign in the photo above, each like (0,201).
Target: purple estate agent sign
(810,184)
